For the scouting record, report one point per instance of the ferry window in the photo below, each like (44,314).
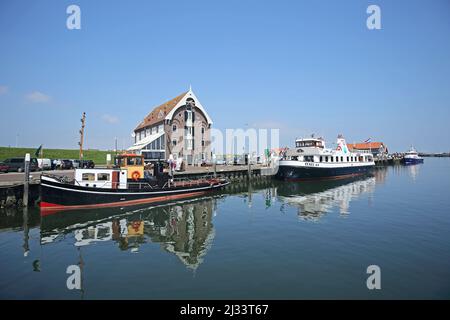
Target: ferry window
(352,159)
(332,159)
(309,158)
(337,159)
(347,159)
(321,159)
(342,159)
(88,176)
(103,176)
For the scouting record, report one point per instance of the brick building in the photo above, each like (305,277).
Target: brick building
(179,127)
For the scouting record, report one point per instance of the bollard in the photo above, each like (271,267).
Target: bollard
(26,180)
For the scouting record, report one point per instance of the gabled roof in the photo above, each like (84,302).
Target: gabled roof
(159,113)
(167,110)
(365,145)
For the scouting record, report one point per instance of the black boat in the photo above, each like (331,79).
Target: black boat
(124,185)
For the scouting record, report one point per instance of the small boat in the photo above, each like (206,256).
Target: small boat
(311,160)
(125,184)
(412,157)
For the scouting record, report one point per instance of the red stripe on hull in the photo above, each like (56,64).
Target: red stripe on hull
(51,208)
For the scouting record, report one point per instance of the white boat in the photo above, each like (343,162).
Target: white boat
(412,157)
(312,160)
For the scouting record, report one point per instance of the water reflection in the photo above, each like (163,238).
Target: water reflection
(413,171)
(315,200)
(184,229)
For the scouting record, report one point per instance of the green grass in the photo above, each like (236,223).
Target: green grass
(98,156)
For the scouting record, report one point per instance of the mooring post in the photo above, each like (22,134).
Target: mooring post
(249,168)
(26,180)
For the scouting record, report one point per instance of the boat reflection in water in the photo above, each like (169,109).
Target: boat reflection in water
(184,228)
(316,199)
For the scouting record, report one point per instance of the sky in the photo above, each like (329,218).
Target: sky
(301,66)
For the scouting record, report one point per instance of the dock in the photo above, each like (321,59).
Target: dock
(11,184)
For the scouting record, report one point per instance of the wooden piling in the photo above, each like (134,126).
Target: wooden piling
(26,180)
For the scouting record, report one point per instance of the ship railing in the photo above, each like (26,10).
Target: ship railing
(192,181)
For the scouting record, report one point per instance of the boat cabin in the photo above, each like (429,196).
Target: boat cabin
(310,143)
(133,163)
(101,178)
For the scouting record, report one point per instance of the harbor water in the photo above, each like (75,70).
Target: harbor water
(257,240)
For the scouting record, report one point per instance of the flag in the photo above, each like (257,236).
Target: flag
(38,150)
(368,140)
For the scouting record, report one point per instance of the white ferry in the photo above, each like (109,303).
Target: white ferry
(312,160)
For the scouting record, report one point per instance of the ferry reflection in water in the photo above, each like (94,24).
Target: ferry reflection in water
(184,229)
(313,203)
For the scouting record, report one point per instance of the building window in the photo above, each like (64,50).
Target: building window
(174,128)
(160,128)
(174,142)
(203,143)
(189,144)
(147,132)
(154,129)
(203,130)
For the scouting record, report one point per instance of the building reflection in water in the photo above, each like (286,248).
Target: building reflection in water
(184,229)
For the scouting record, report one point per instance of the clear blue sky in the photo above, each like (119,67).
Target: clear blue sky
(302,66)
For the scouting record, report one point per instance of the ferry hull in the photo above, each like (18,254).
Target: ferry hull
(408,161)
(301,173)
(57,196)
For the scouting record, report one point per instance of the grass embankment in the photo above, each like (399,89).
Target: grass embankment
(98,156)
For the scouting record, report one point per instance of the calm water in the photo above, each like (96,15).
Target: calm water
(265,240)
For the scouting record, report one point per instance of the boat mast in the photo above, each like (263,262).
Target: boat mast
(83,124)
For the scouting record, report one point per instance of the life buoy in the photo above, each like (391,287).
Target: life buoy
(135,175)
